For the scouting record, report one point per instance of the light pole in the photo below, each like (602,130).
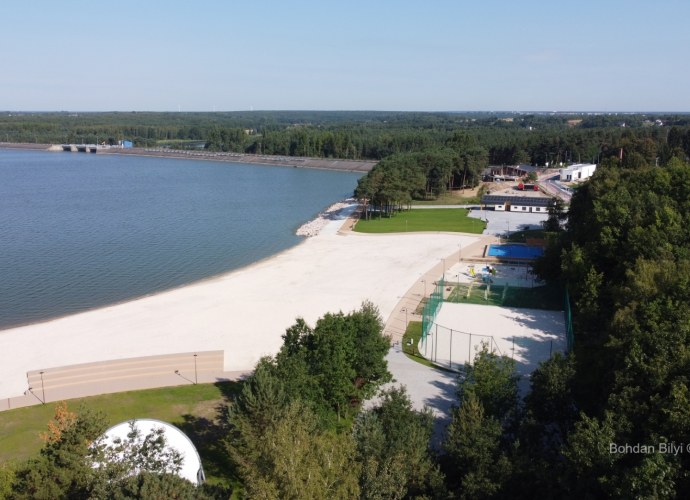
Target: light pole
(406,322)
(459,252)
(196,380)
(43,389)
(444,268)
(424,281)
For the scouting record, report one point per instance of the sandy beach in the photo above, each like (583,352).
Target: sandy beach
(243,313)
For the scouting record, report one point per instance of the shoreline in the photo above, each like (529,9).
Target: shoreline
(243,313)
(315,223)
(342,165)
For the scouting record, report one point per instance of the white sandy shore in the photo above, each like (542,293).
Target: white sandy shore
(243,313)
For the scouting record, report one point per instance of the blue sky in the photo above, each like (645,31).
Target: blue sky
(436,55)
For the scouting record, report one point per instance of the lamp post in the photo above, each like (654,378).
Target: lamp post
(43,389)
(196,380)
(406,322)
(444,268)
(459,252)
(424,281)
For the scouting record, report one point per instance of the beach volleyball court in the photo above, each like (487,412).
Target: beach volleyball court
(529,336)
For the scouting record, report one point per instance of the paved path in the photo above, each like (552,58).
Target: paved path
(426,386)
(404,311)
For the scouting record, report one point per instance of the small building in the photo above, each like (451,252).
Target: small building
(509,172)
(579,171)
(126,144)
(507,203)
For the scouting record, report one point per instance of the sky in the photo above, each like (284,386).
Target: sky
(431,55)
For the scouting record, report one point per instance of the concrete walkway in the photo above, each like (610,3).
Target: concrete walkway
(404,311)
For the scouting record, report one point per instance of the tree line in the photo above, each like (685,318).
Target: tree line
(507,138)
(625,258)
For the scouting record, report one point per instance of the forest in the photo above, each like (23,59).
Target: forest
(610,419)
(504,138)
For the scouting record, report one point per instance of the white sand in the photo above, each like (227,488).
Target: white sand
(529,336)
(243,313)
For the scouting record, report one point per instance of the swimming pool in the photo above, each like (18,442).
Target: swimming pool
(515,251)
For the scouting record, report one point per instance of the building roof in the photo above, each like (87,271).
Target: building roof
(523,167)
(528,201)
(578,166)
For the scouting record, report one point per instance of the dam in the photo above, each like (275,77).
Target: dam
(81,148)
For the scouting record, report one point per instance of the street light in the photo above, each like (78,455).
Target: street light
(43,389)
(459,252)
(406,322)
(196,380)
(424,281)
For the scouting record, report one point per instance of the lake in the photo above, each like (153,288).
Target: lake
(79,231)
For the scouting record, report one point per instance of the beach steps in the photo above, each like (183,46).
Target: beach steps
(90,379)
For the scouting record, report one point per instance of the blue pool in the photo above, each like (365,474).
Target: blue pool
(515,251)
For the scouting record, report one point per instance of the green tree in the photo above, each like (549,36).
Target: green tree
(393,450)
(293,458)
(151,485)
(62,469)
(129,457)
(76,462)
(492,380)
(475,464)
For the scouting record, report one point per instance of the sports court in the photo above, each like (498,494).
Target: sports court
(529,336)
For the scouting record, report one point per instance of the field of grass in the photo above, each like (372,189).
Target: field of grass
(521,236)
(196,409)
(411,339)
(432,219)
(547,297)
(449,199)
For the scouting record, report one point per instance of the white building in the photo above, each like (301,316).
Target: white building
(507,203)
(577,172)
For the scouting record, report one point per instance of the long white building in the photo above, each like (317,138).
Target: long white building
(577,172)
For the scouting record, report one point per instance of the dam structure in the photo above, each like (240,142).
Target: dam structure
(82,148)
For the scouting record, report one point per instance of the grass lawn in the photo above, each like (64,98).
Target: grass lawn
(410,341)
(449,199)
(432,219)
(547,297)
(195,409)
(521,236)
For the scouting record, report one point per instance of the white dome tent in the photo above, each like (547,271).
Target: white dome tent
(177,444)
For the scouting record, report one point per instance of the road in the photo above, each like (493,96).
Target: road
(550,185)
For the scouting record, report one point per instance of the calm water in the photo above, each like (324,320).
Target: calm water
(78,231)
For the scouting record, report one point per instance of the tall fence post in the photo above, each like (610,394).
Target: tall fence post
(450,352)
(436,345)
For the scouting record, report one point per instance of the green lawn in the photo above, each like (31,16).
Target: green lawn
(410,342)
(431,219)
(521,236)
(192,408)
(547,297)
(449,199)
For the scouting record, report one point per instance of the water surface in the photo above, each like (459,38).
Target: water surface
(78,230)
